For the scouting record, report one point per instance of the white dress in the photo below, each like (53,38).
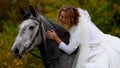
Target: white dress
(96,49)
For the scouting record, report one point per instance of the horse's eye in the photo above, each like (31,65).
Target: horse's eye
(31,27)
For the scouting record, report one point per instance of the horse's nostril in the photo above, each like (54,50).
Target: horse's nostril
(16,50)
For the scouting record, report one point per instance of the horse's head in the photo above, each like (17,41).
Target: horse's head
(29,33)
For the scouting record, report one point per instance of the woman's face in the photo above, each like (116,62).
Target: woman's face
(62,18)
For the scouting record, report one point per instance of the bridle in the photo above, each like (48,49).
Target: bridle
(41,30)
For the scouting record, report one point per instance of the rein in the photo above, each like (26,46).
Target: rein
(45,57)
(44,43)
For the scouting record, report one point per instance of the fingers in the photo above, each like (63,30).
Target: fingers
(51,34)
(52,31)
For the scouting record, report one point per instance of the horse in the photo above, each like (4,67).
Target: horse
(31,35)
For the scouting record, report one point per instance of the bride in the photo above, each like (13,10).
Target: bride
(96,49)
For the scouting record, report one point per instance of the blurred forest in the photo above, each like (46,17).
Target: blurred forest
(104,13)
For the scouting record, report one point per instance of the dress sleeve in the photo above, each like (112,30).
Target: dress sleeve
(69,49)
(75,40)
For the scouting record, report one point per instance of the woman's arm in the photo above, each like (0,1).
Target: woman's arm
(69,49)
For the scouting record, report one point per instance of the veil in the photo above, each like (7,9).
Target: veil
(84,38)
(85,27)
(83,31)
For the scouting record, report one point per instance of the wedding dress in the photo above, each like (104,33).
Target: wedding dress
(96,49)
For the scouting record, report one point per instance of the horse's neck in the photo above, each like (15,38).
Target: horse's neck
(46,23)
(61,32)
(51,49)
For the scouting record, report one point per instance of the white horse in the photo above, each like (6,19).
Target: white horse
(32,34)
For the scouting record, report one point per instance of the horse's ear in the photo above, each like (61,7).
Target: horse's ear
(22,11)
(33,11)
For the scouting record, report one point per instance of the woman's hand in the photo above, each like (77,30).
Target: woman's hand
(52,35)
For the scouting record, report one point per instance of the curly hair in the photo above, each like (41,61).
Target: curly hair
(71,13)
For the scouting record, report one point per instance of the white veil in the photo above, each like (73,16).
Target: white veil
(83,32)
(85,26)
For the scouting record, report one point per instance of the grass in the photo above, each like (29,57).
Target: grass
(6,59)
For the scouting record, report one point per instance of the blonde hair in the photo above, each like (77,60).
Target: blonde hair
(71,13)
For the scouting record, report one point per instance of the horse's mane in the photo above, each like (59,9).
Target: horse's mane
(61,32)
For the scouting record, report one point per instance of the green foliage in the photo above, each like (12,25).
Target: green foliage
(104,13)
(50,7)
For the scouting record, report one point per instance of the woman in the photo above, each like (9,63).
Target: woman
(96,49)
